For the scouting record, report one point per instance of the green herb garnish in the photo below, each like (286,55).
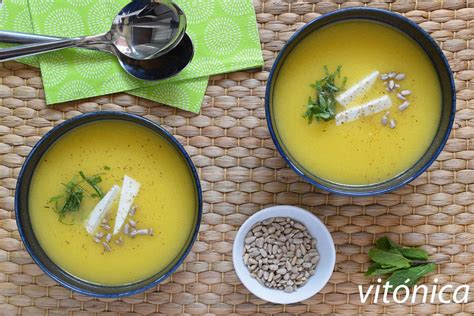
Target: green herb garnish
(323,106)
(93,181)
(70,200)
(399,264)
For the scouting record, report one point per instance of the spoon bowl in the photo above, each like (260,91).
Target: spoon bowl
(146,29)
(162,67)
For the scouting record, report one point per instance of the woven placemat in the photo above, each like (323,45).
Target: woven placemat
(241,173)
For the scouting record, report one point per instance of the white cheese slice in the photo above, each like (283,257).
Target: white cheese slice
(357,90)
(130,188)
(370,108)
(101,209)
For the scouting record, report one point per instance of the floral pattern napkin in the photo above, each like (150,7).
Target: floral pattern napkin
(224,33)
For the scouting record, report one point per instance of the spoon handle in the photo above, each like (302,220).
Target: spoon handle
(26,38)
(37,48)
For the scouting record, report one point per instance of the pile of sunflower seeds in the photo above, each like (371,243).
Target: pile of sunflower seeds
(280,253)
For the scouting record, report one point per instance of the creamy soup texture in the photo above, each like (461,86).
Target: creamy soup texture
(364,151)
(166,201)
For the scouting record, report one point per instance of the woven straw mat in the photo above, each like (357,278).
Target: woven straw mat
(241,173)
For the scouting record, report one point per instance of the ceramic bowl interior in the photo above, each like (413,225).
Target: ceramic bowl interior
(32,244)
(325,246)
(444,74)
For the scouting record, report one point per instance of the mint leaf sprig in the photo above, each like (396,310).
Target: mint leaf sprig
(399,264)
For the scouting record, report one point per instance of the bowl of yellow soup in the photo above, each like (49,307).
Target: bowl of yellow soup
(360,101)
(108,204)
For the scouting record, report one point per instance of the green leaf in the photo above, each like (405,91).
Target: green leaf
(388,258)
(70,200)
(55,198)
(324,105)
(374,266)
(385,243)
(414,253)
(93,181)
(413,275)
(395,251)
(379,269)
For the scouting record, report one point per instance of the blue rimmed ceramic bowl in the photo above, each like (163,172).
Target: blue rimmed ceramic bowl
(26,231)
(439,62)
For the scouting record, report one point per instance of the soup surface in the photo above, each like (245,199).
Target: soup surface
(166,201)
(363,151)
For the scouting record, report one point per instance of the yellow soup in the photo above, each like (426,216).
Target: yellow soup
(166,201)
(363,151)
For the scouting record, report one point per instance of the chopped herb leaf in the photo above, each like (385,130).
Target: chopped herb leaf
(93,181)
(323,106)
(70,200)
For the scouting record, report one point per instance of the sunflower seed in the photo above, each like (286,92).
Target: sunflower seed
(105,226)
(249,240)
(391,84)
(281,271)
(126,229)
(246,258)
(384,120)
(108,237)
(405,92)
(393,124)
(384,76)
(400,76)
(133,211)
(401,97)
(403,106)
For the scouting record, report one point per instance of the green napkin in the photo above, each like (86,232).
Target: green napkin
(224,34)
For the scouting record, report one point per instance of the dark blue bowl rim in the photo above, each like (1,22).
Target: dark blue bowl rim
(111,115)
(279,59)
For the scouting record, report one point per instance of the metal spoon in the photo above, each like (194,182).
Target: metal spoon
(143,29)
(158,68)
